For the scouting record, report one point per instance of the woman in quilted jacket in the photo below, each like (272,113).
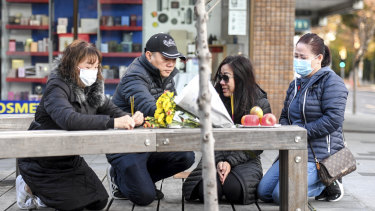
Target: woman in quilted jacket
(316,101)
(238,172)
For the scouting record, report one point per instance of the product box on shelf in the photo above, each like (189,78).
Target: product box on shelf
(62,21)
(66,39)
(89,25)
(12,45)
(125,20)
(62,29)
(42,70)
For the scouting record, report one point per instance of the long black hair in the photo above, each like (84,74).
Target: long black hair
(317,47)
(246,89)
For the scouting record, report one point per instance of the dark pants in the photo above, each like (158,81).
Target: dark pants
(136,173)
(231,189)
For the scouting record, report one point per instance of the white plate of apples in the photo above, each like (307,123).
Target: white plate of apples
(258,120)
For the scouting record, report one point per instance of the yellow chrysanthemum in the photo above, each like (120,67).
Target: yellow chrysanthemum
(169,119)
(165,109)
(159,111)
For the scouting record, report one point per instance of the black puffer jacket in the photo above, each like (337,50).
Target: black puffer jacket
(246,165)
(143,81)
(67,182)
(66,106)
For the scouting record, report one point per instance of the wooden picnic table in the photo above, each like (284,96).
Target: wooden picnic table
(291,141)
(15,121)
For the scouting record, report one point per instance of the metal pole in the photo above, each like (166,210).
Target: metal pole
(99,35)
(51,10)
(75,18)
(4,58)
(342,72)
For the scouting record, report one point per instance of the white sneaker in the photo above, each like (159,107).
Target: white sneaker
(25,200)
(113,189)
(39,203)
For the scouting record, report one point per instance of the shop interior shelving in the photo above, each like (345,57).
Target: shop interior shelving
(116,8)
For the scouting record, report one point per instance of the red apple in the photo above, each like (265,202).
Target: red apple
(250,120)
(268,120)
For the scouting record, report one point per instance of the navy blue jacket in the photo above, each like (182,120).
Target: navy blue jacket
(143,81)
(322,105)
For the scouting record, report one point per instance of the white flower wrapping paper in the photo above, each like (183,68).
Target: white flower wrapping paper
(187,100)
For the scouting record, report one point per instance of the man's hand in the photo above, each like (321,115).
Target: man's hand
(138,118)
(223,169)
(125,122)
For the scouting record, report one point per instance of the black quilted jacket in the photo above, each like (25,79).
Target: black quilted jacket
(246,165)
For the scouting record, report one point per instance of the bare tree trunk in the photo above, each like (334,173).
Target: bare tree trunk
(204,103)
(372,74)
(355,72)
(366,30)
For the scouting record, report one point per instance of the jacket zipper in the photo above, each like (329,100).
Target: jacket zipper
(303,107)
(328,137)
(295,93)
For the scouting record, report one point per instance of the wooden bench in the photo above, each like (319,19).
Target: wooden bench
(289,140)
(15,121)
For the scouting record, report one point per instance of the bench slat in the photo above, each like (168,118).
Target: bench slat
(59,142)
(15,121)
(233,139)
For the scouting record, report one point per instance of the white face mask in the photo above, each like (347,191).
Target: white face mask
(88,76)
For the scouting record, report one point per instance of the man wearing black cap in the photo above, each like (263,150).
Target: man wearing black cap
(133,175)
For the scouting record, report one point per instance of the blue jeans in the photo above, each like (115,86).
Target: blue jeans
(136,173)
(268,188)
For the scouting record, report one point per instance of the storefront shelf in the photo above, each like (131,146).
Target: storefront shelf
(112,81)
(20,53)
(122,54)
(28,1)
(28,80)
(44,80)
(64,34)
(9,26)
(121,1)
(122,28)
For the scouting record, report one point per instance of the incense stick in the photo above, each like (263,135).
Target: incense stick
(232,106)
(132,104)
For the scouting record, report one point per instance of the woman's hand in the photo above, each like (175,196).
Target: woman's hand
(223,169)
(138,118)
(125,122)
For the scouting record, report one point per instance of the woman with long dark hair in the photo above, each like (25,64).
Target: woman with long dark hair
(316,101)
(238,172)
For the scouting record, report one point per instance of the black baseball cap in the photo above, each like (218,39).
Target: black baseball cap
(164,44)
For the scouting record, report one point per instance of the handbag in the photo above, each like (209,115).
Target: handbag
(335,166)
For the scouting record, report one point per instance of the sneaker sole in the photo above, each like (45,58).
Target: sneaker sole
(112,185)
(342,192)
(23,202)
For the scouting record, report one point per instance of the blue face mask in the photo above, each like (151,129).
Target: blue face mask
(302,66)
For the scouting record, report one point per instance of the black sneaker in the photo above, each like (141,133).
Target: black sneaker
(322,196)
(113,189)
(333,192)
(159,195)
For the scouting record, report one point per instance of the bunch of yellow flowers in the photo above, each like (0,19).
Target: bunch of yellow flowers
(165,109)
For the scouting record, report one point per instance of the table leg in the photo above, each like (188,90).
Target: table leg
(293,180)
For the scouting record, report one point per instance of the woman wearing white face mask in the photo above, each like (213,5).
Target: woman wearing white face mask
(316,102)
(73,100)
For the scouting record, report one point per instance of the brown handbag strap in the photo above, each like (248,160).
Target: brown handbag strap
(316,159)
